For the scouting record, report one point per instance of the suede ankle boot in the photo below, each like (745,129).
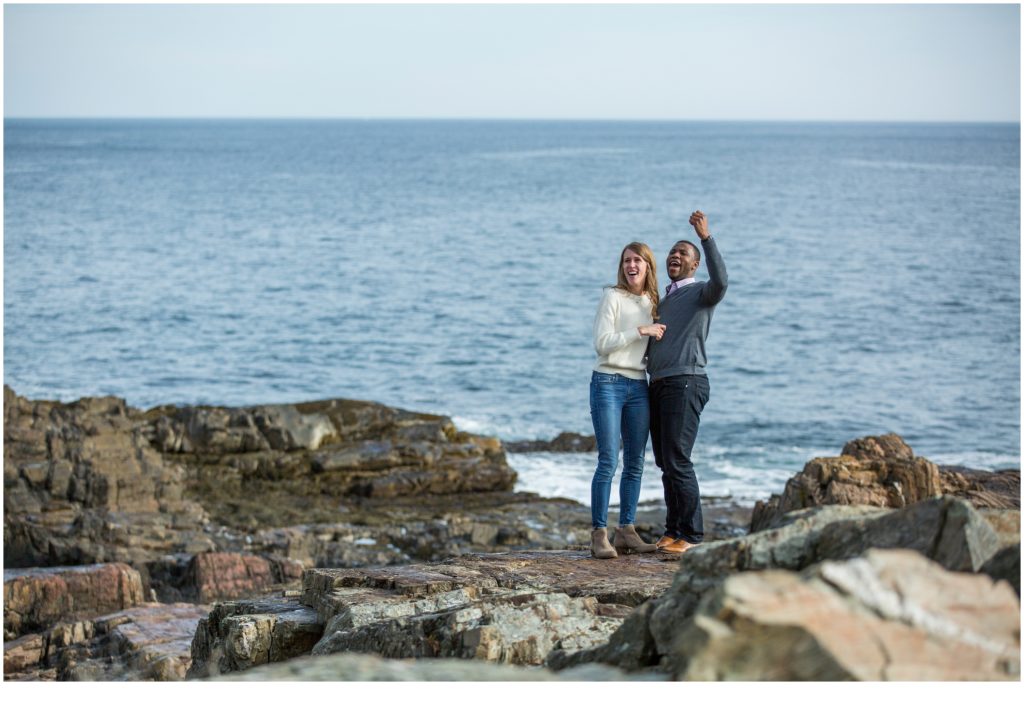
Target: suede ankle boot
(599,545)
(628,541)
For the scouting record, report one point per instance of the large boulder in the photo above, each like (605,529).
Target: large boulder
(871,471)
(883,471)
(890,615)
(238,635)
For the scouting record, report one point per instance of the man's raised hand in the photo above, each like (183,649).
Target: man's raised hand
(699,222)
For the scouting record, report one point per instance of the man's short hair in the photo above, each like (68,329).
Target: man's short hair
(695,247)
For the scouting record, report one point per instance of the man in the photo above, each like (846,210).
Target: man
(679,386)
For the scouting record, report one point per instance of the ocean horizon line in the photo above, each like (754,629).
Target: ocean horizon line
(517,120)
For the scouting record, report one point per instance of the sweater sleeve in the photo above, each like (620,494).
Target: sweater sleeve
(607,339)
(714,290)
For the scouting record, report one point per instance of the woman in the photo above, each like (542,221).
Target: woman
(618,396)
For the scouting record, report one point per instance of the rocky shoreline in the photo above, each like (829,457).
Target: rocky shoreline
(328,540)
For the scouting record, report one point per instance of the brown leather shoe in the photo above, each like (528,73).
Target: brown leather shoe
(665,540)
(677,547)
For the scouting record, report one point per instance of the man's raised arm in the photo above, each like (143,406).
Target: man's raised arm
(714,291)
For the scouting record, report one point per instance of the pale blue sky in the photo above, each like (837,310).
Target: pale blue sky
(745,62)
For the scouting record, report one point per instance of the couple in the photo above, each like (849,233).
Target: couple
(631,345)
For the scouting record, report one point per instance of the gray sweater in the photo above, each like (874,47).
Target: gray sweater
(687,314)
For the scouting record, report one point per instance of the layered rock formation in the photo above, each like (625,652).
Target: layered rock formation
(308,459)
(151,642)
(98,481)
(83,484)
(215,512)
(199,504)
(333,483)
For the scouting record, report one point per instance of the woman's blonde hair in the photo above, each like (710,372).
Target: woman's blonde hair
(650,281)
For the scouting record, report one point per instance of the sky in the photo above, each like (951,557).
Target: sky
(671,62)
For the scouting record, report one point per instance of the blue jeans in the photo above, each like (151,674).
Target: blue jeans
(619,407)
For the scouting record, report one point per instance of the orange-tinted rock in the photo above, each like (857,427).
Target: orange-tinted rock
(35,599)
(872,471)
(222,576)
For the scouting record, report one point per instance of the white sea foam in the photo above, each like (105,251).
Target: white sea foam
(569,475)
(978,460)
(509,429)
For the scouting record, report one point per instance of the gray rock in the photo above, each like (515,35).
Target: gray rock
(947,530)
(353,667)
(1005,566)
(514,607)
(515,628)
(242,634)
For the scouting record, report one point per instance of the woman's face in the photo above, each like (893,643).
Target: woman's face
(634,267)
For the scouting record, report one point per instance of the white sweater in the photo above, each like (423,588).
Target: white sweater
(619,345)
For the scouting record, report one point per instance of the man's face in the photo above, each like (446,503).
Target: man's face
(682,262)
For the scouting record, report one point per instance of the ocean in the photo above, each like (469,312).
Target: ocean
(454,267)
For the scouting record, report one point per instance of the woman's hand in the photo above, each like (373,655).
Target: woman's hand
(655,331)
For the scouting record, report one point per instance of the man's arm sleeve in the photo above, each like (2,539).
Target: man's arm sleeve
(714,291)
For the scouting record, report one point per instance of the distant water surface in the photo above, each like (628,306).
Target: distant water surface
(455,267)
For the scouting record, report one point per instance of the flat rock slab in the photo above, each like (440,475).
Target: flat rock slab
(627,580)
